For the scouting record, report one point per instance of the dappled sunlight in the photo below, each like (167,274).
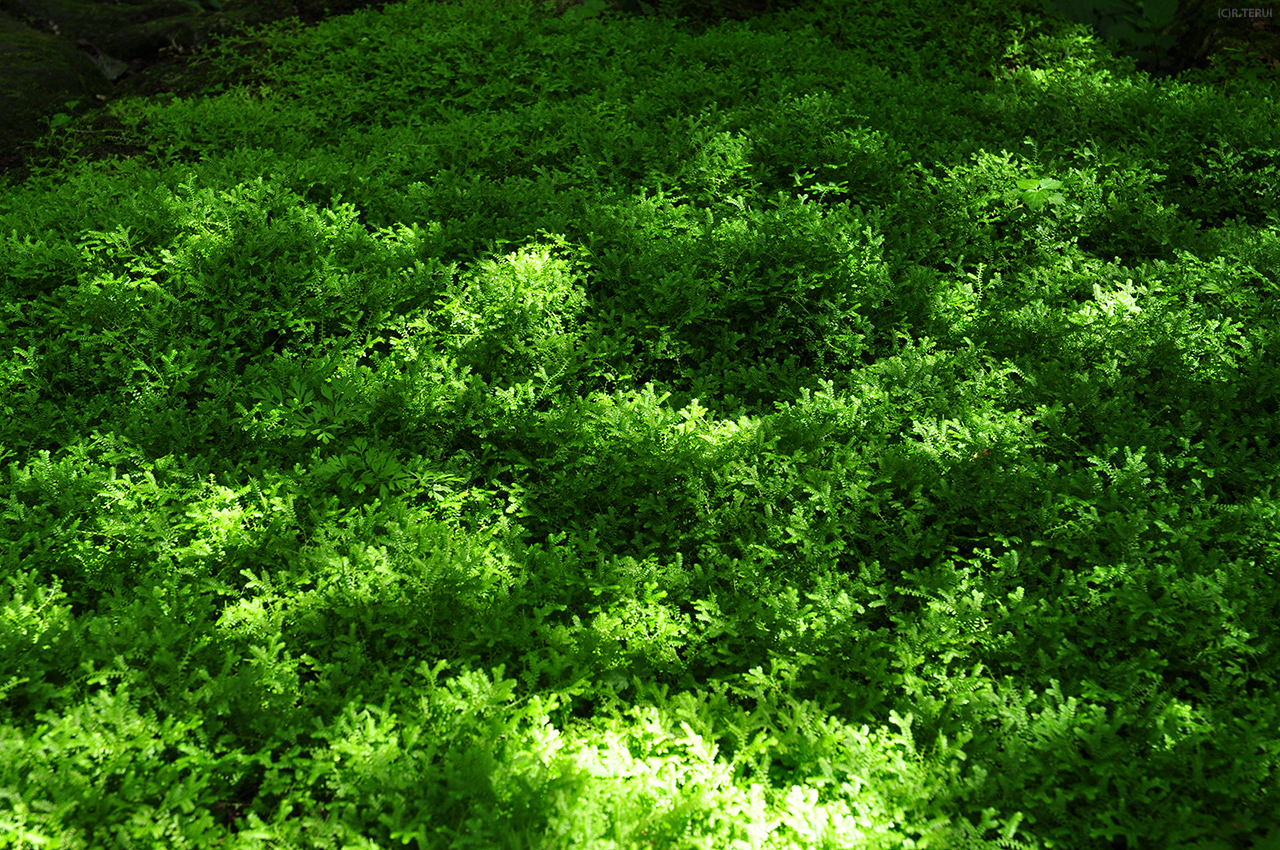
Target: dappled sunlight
(507,426)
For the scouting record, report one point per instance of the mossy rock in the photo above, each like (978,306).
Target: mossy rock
(91,51)
(38,73)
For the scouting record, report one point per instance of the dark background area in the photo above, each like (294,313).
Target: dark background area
(62,60)
(88,53)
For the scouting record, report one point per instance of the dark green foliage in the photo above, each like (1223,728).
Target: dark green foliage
(1168,37)
(1143,29)
(518,429)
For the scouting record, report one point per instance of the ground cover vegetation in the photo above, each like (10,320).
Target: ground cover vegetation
(502,426)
